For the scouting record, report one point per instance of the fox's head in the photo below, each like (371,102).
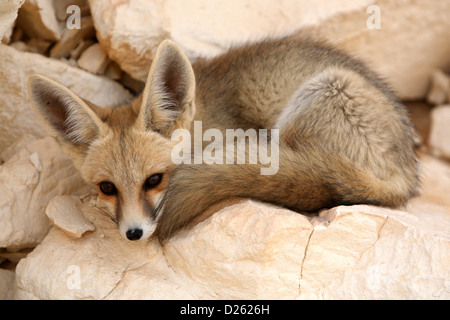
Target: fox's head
(125,151)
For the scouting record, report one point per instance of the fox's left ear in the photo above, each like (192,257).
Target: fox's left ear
(63,114)
(168,97)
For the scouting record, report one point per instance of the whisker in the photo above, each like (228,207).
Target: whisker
(106,214)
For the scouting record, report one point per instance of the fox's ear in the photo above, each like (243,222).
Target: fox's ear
(168,97)
(63,114)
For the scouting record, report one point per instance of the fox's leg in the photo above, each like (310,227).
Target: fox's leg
(346,114)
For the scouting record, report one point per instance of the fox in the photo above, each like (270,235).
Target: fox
(344,136)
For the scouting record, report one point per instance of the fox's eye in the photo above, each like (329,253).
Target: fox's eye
(152,181)
(108,188)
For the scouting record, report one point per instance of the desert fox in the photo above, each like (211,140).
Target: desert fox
(344,138)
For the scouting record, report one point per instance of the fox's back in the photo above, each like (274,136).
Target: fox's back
(248,86)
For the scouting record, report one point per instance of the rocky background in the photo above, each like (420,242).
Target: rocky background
(55,245)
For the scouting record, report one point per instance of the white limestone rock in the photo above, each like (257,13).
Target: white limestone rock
(28,181)
(111,274)
(14,148)
(439,92)
(250,250)
(37,18)
(376,254)
(65,213)
(410,44)
(8,14)
(16,115)
(439,140)
(94,59)
(433,204)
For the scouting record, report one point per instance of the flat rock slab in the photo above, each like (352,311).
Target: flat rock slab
(65,213)
(8,14)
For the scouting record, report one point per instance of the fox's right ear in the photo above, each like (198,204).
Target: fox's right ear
(63,114)
(168,98)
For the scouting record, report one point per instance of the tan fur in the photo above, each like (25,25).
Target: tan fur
(344,138)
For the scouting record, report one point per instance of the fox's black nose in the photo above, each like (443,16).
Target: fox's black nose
(134,234)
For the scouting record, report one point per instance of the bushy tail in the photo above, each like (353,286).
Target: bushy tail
(308,179)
